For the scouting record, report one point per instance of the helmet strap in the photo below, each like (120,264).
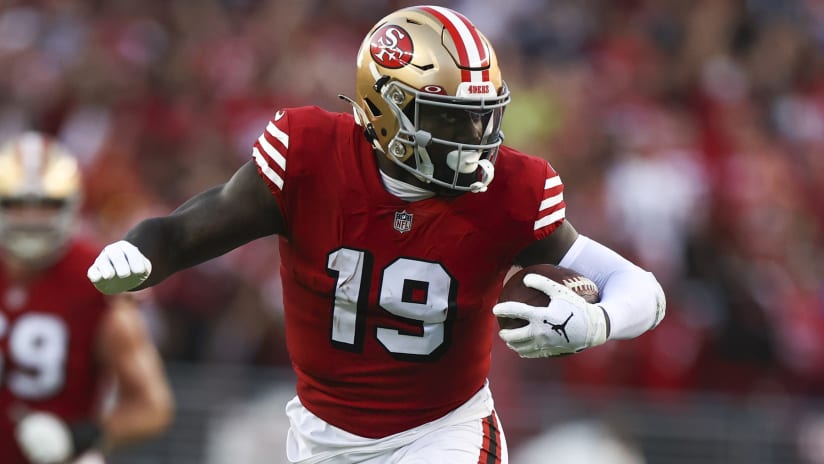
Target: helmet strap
(362,120)
(486,177)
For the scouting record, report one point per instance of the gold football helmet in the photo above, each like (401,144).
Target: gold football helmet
(430,96)
(40,194)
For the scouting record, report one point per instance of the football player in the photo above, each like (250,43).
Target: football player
(63,345)
(397,225)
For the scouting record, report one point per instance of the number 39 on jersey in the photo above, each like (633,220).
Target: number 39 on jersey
(33,354)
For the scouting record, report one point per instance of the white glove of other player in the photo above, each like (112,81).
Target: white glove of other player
(44,438)
(118,268)
(567,325)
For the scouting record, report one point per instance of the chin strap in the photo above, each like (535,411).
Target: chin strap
(362,120)
(486,178)
(422,140)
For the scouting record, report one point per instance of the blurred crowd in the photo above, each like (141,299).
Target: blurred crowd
(689,134)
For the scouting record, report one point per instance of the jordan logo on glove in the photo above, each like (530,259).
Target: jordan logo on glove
(560,329)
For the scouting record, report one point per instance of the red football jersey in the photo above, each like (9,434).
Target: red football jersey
(388,303)
(47,346)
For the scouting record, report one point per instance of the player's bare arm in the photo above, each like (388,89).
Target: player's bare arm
(204,227)
(551,249)
(144,405)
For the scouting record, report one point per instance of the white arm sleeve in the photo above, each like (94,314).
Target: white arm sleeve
(631,296)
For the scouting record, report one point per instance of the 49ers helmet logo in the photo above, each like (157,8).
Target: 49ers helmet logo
(391,47)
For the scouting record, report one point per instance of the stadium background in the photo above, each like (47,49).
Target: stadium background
(689,133)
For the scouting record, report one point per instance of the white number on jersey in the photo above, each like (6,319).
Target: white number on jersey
(37,345)
(412,290)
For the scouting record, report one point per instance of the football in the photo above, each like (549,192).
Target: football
(515,290)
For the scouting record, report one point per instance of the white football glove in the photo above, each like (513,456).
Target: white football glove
(567,325)
(44,438)
(118,268)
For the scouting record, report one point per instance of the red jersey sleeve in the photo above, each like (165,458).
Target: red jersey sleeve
(552,208)
(527,200)
(271,150)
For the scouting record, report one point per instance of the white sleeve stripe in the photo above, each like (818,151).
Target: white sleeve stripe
(273,130)
(272,152)
(551,201)
(552,182)
(266,170)
(550,219)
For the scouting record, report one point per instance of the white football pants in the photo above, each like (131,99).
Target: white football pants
(471,434)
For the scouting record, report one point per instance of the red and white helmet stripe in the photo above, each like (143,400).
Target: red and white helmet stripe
(472,51)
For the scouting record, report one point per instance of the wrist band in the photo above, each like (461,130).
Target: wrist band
(85,436)
(606,318)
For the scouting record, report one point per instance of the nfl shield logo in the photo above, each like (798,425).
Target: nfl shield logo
(403,221)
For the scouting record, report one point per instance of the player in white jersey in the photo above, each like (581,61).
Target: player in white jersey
(397,225)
